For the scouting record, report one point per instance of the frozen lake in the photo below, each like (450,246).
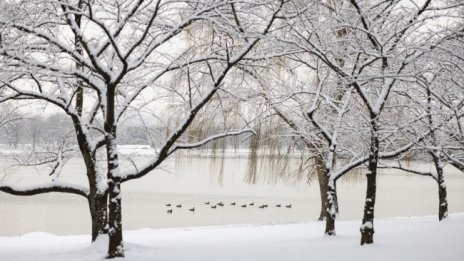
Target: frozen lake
(194,181)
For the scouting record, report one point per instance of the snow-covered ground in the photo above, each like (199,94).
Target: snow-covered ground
(416,238)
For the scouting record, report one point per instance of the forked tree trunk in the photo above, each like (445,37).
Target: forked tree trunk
(97,200)
(367,227)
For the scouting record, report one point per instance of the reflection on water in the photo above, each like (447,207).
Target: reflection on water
(194,181)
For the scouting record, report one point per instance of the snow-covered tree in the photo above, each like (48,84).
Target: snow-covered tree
(375,52)
(95,59)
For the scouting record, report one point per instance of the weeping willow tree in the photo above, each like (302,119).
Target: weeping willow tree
(276,153)
(252,166)
(224,113)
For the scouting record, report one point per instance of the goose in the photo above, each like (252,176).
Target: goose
(252,204)
(213,206)
(207,203)
(168,205)
(262,206)
(288,206)
(192,209)
(179,206)
(278,205)
(220,204)
(232,204)
(244,206)
(169,211)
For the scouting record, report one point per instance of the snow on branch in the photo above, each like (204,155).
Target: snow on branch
(90,50)
(459,165)
(417,172)
(122,22)
(50,39)
(154,44)
(388,154)
(455,162)
(178,146)
(217,82)
(45,188)
(34,95)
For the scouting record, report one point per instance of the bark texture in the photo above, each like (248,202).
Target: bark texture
(367,227)
(442,193)
(116,246)
(323,179)
(97,199)
(331,209)
(98,213)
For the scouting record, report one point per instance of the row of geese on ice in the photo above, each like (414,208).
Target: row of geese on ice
(221,204)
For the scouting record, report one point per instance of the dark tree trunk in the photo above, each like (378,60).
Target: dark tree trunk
(331,208)
(443,207)
(367,227)
(322,179)
(98,213)
(98,200)
(442,198)
(440,179)
(116,246)
(335,198)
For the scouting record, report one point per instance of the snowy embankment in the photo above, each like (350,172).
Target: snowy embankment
(418,238)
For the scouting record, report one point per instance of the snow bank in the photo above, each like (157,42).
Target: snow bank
(418,238)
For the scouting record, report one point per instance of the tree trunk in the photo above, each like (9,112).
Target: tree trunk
(367,227)
(116,246)
(440,179)
(335,198)
(98,200)
(98,213)
(443,201)
(322,179)
(442,198)
(331,208)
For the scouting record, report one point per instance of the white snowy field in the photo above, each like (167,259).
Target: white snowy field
(415,238)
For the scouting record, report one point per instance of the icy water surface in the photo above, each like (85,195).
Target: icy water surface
(192,182)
